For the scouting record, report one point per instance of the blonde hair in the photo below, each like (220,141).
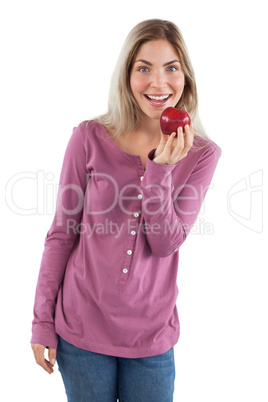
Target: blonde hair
(123,111)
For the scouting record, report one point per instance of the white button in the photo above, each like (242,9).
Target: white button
(141,178)
(125,271)
(139,196)
(175,249)
(133,232)
(136,214)
(129,252)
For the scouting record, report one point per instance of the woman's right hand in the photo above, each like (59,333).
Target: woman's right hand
(39,354)
(172,148)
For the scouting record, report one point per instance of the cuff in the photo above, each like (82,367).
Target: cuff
(44,336)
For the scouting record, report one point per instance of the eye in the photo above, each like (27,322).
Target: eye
(143,69)
(172,68)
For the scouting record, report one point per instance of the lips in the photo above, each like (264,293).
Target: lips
(158,99)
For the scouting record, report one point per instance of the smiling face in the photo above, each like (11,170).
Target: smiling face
(157,80)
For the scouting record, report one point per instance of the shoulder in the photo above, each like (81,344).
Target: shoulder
(88,133)
(88,127)
(84,136)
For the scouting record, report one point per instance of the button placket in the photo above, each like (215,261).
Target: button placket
(132,235)
(126,265)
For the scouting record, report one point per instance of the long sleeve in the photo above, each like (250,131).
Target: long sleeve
(173,195)
(60,239)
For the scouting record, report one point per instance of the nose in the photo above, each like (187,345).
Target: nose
(158,80)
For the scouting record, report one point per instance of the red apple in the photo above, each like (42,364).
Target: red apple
(172,118)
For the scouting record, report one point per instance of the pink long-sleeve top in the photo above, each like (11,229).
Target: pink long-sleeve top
(107,281)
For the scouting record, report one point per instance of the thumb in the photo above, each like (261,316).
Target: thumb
(52,356)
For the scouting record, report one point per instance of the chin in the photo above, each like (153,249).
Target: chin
(152,114)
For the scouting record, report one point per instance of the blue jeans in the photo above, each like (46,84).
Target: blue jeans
(96,377)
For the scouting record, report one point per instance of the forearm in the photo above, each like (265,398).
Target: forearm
(173,195)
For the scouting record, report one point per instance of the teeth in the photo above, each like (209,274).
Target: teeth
(158,97)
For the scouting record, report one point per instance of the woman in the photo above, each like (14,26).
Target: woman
(105,302)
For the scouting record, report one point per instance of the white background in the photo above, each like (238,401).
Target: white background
(57,60)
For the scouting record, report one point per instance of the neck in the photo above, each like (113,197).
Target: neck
(148,129)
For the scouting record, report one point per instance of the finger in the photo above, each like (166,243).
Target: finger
(187,142)
(164,140)
(170,144)
(171,138)
(161,146)
(189,137)
(39,351)
(164,137)
(52,356)
(179,144)
(45,364)
(41,361)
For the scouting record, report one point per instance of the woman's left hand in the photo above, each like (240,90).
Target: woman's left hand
(174,147)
